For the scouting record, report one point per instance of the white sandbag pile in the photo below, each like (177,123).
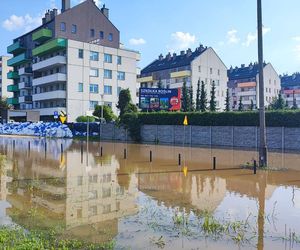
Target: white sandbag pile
(42,129)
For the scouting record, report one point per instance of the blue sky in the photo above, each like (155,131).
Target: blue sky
(154,27)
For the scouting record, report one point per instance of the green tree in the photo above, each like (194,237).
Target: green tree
(191,99)
(295,106)
(185,98)
(108,114)
(85,119)
(198,97)
(125,103)
(278,103)
(159,84)
(252,105)
(227,101)
(212,102)
(241,106)
(3,104)
(203,98)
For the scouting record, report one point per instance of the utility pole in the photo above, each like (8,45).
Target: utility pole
(263,160)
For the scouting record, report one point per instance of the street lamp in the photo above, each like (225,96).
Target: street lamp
(263,160)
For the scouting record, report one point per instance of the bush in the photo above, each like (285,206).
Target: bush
(131,122)
(108,114)
(85,119)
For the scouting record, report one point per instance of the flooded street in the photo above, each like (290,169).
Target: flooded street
(150,205)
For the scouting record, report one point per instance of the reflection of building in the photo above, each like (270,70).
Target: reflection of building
(4,178)
(243,85)
(290,85)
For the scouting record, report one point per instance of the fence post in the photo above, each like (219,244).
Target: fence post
(150,156)
(214,163)
(179,159)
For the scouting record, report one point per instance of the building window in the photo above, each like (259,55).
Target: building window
(92,33)
(199,68)
(80,87)
(94,88)
(93,104)
(94,72)
(119,60)
(107,74)
(74,28)
(107,90)
(211,71)
(109,104)
(101,35)
(121,75)
(62,26)
(218,72)
(94,56)
(110,37)
(80,53)
(107,58)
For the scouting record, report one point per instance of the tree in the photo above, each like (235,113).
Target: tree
(3,104)
(212,102)
(85,119)
(108,114)
(203,98)
(191,99)
(227,101)
(241,106)
(252,105)
(278,103)
(185,98)
(198,97)
(295,106)
(159,84)
(124,103)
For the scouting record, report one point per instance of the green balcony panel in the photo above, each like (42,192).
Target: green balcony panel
(12,101)
(12,88)
(18,60)
(15,48)
(49,47)
(42,35)
(13,75)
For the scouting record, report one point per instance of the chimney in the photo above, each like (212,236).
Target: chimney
(65,5)
(243,66)
(105,11)
(44,20)
(48,16)
(160,57)
(53,13)
(189,52)
(168,56)
(182,53)
(174,56)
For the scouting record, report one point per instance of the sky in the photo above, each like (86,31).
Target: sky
(159,26)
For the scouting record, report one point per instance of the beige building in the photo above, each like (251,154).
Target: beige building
(5,77)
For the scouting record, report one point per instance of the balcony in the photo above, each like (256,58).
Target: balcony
(51,62)
(58,94)
(145,79)
(49,47)
(25,85)
(12,101)
(247,93)
(25,99)
(246,85)
(59,77)
(13,75)
(16,48)
(179,74)
(50,112)
(12,88)
(25,71)
(18,60)
(42,35)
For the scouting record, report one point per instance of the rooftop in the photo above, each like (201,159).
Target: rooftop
(243,72)
(290,80)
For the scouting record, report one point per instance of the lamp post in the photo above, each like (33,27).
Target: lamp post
(263,160)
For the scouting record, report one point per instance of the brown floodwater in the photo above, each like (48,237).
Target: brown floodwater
(150,205)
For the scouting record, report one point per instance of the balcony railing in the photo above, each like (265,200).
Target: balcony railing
(25,85)
(12,88)
(12,101)
(42,35)
(18,60)
(49,47)
(16,48)
(13,75)
(59,77)
(51,62)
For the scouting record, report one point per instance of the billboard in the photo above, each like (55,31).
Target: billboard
(160,99)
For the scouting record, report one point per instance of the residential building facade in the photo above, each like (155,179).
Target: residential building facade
(71,63)
(290,87)
(243,84)
(189,66)
(5,78)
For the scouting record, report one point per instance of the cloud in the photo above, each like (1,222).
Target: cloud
(27,22)
(181,41)
(252,37)
(137,41)
(232,37)
(296,38)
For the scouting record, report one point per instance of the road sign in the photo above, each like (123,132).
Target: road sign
(55,115)
(185,122)
(63,113)
(63,119)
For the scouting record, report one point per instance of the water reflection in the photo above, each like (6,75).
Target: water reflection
(107,198)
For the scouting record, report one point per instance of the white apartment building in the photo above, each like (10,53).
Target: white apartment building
(201,65)
(290,85)
(5,77)
(243,85)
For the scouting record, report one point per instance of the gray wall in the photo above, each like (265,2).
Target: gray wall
(241,137)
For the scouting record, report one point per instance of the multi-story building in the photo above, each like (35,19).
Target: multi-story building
(72,62)
(5,77)
(290,87)
(243,85)
(203,64)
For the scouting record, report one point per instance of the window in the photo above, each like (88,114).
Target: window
(107,90)
(80,87)
(93,104)
(211,71)
(80,53)
(106,192)
(101,35)
(107,74)
(110,37)
(94,72)
(109,104)
(119,60)
(199,68)
(94,56)
(218,72)
(121,75)
(62,26)
(107,58)
(94,88)
(92,33)
(74,28)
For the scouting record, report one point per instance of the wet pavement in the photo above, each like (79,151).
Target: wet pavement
(56,184)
